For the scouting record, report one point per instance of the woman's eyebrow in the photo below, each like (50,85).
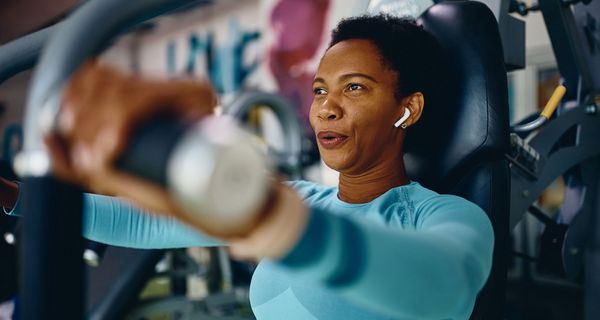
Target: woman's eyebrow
(318,79)
(356,74)
(346,77)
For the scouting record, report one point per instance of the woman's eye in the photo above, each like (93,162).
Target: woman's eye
(319,91)
(354,87)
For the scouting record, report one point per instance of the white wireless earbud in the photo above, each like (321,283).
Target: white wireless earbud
(404,117)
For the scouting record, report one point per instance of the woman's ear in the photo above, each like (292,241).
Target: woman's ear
(415,103)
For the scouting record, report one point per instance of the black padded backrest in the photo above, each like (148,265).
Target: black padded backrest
(471,125)
(459,145)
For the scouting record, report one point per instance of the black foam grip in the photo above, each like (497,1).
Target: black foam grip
(150,147)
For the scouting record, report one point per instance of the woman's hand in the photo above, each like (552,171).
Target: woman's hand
(277,230)
(9,193)
(100,109)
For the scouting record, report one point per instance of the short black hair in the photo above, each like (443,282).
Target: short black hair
(404,46)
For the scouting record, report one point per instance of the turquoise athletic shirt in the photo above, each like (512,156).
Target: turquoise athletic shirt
(409,254)
(118,222)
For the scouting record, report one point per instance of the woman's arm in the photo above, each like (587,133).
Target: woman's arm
(116,222)
(433,272)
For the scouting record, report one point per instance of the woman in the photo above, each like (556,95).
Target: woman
(377,246)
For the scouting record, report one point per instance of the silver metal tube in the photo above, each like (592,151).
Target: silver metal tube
(22,54)
(530,126)
(285,113)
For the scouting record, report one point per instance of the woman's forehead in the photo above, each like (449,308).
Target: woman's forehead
(352,56)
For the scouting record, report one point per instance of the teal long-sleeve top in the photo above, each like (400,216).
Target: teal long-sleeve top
(409,254)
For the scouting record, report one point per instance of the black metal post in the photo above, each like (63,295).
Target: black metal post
(51,263)
(592,254)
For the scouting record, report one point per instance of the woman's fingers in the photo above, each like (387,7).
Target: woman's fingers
(278,230)
(146,195)
(101,109)
(61,162)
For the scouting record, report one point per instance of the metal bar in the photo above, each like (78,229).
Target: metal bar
(529,126)
(540,215)
(22,54)
(567,45)
(524,191)
(115,286)
(592,254)
(284,111)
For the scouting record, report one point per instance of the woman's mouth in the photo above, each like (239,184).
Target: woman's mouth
(330,139)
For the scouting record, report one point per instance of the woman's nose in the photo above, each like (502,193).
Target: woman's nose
(330,110)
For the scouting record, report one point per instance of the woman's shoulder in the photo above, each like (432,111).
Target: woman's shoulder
(423,196)
(428,203)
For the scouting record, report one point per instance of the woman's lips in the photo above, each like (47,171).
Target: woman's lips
(331,139)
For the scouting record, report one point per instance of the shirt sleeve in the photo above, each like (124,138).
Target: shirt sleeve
(116,222)
(432,272)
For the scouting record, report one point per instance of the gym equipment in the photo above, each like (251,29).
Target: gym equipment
(540,158)
(8,254)
(512,30)
(286,161)
(15,56)
(553,149)
(470,127)
(45,293)
(204,167)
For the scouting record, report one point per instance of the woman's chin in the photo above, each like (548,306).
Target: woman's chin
(334,163)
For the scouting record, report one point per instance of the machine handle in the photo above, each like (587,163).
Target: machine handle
(150,147)
(552,103)
(213,169)
(546,113)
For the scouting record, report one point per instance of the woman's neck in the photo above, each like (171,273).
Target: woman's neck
(364,187)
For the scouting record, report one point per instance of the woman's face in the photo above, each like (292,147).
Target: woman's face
(354,108)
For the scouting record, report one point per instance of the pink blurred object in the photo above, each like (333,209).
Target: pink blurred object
(299,28)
